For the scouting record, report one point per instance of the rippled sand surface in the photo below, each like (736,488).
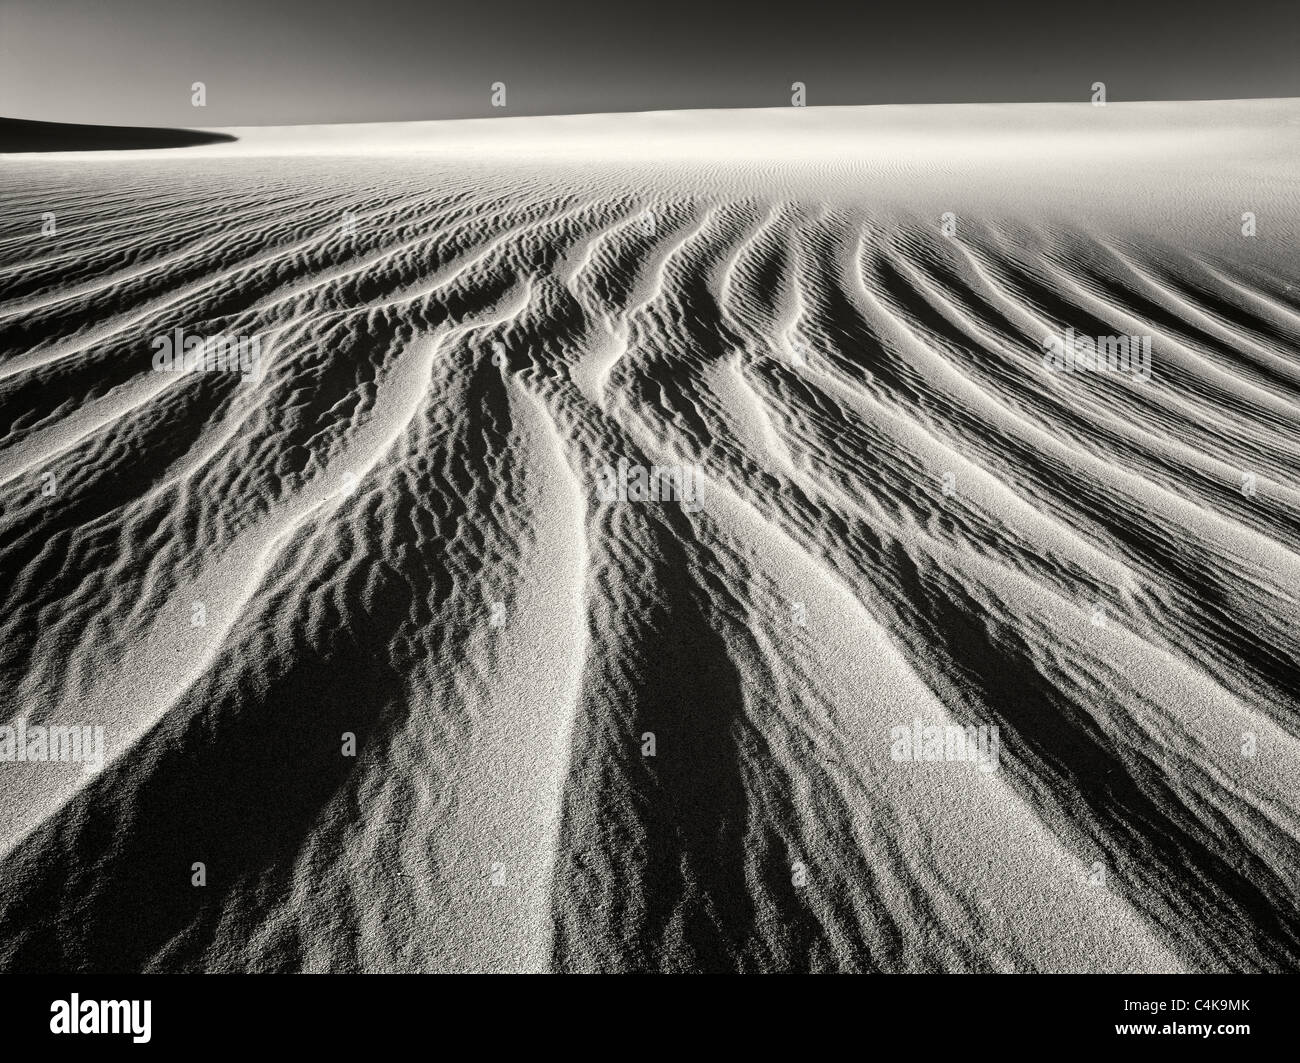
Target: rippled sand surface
(597,733)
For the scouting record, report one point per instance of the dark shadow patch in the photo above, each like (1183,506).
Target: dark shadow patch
(20,135)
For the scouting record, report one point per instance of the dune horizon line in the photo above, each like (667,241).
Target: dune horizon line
(209,133)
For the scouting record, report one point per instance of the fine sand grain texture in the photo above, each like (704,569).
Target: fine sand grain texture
(598,732)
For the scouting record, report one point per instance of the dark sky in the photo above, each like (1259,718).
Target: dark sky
(301,61)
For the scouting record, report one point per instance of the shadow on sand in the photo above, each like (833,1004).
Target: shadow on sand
(18,135)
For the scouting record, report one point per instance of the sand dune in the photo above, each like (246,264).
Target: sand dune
(595,732)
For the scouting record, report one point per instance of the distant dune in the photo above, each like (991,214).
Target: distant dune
(658,542)
(19,135)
